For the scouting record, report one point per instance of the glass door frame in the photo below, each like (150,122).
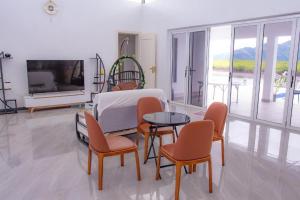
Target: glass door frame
(257,74)
(295,48)
(205,86)
(171,36)
(187,71)
(257,65)
(260,23)
(287,105)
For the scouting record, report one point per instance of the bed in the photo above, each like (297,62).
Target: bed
(116,111)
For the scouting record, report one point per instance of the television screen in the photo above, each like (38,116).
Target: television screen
(55,75)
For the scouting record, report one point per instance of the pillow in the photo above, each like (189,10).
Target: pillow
(127,85)
(115,88)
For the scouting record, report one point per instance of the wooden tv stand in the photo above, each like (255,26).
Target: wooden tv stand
(54,100)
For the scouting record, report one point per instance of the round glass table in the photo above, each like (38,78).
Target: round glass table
(166,119)
(163,119)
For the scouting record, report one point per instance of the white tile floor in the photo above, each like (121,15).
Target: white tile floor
(41,158)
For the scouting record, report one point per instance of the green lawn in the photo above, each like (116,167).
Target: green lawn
(248,65)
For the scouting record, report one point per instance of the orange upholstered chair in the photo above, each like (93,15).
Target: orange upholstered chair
(107,146)
(147,105)
(125,86)
(193,146)
(217,112)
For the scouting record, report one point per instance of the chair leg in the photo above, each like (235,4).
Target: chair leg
(210,175)
(100,171)
(194,168)
(158,166)
(178,175)
(160,141)
(190,169)
(137,139)
(222,149)
(173,137)
(137,162)
(89,161)
(122,160)
(146,146)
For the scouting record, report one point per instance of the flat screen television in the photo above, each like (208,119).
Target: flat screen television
(55,75)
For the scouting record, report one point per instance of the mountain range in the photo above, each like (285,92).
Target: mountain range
(248,53)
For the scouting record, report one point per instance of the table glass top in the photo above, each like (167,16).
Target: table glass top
(166,118)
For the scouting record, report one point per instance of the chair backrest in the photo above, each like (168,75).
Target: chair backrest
(147,105)
(194,141)
(217,112)
(97,139)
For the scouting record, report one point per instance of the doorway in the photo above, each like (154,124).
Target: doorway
(242,72)
(189,58)
(274,71)
(219,63)
(127,46)
(179,65)
(252,66)
(142,47)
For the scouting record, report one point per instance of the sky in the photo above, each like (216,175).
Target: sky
(221,46)
(220,38)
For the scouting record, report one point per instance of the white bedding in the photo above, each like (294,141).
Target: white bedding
(126,98)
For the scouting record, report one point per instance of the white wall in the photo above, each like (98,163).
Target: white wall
(82,28)
(78,31)
(161,15)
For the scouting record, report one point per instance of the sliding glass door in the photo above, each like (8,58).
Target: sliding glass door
(242,74)
(219,60)
(295,84)
(295,118)
(253,67)
(180,47)
(196,68)
(274,72)
(188,67)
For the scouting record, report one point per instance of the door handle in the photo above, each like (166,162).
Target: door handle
(292,82)
(185,71)
(153,69)
(229,77)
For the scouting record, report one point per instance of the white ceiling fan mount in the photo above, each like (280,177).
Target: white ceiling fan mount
(50,7)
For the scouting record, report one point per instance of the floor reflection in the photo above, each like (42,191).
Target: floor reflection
(269,167)
(293,152)
(40,158)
